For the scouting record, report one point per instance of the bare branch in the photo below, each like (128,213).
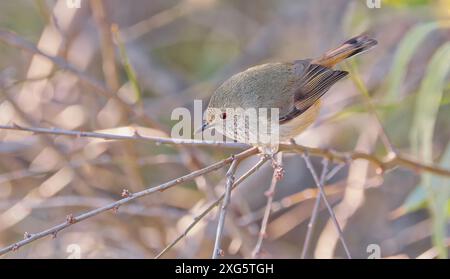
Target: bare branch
(211,207)
(226,201)
(388,163)
(136,136)
(289,202)
(160,19)
(132,196)
(135,209)
(13,39)
(323,195)
(277,175)
(315,210)
(334,171)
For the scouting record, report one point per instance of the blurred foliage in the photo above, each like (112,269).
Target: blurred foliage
(426,110)
(406,3)
(200,59)
(405,78)
(22,18)
(405,51)
(130,72)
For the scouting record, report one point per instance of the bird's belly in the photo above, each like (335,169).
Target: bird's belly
(250,134)
(297,125)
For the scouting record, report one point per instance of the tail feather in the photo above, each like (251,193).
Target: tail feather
(349,48)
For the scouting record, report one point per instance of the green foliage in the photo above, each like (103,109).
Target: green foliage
(22,18)
(416,200)
(129,70)
(427,105)
(198,59)
(406,3)
(403,55)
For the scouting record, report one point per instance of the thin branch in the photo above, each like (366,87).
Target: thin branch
(277,175)
(289,202)
(390,162)
(8,84)
(390,149)
(136,136)
(127,198)
(135,209)
(160,19)
(211,207)
(315,211)
(335,189)
(103,26)
(144,161)
(46,139)
(223,212)
(15,40)
(334,171)
(330,209)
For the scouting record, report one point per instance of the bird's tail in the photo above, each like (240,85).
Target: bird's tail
(349,48)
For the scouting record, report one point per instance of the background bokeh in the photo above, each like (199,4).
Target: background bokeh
(159,55)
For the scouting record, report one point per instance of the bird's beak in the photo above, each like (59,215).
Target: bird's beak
(203,127)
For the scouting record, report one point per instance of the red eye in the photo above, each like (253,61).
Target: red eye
(223,115)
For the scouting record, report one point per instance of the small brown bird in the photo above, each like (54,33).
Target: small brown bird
(293,88)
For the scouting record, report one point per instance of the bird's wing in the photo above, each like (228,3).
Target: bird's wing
(312,81)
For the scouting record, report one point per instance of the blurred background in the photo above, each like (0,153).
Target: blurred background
(155,56)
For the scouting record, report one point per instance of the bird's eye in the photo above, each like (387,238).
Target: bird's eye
(223,115)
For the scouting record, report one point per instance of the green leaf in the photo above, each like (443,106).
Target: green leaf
(428,101)
(129,70)
(440,187)
(427,105)
(403,55)
(406,3)
(448,208)
(416,200)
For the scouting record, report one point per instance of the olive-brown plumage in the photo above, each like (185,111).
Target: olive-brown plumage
(294,88)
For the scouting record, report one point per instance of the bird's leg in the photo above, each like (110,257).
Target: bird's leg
(277,166)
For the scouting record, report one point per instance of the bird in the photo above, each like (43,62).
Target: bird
(293,89)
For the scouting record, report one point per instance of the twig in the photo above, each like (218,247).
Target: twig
(148,160)
(136,136)
(13,39)
(46,141)
(277,175)
(315,211)
(323,195)
(160,19)
(103,26)
(289,202)
(131,196)
(136,209)
(309,193)
(334,171)
(226,201)
(389,162)
(390,149)
(211,207)
(385,164)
